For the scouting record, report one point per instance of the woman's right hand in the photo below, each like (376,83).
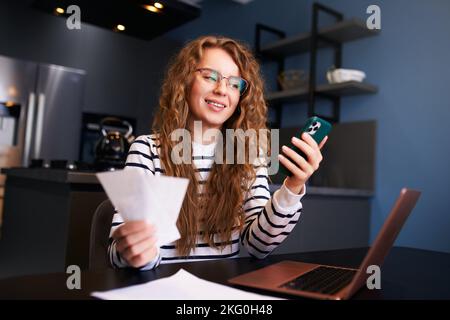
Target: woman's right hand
(136,242)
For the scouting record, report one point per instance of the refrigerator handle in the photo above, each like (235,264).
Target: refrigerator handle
(39,124)
(29,129)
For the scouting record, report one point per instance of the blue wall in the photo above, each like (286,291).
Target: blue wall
(409,61)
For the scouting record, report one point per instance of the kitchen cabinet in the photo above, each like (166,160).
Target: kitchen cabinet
(9,157)
(47,220)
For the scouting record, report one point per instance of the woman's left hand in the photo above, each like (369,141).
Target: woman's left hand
(300,167)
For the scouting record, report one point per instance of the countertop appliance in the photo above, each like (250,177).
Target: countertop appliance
(93,148)
(112,148)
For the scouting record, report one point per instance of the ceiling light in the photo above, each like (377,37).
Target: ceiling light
(120,27)
(158,5)
(151,8)
(59,10)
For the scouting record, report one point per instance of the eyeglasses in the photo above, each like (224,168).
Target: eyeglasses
(236,84)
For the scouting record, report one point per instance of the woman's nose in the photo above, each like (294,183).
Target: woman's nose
(221,87)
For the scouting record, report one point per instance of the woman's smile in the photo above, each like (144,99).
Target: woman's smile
(215,105)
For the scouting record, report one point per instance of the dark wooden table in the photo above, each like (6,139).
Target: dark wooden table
(406,274)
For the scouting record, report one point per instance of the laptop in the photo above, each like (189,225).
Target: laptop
(331,282)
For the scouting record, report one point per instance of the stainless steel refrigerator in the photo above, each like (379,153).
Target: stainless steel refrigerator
(48,101)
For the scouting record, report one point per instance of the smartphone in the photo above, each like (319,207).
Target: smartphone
(317,128)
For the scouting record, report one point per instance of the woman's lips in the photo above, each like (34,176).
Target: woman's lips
(215,106)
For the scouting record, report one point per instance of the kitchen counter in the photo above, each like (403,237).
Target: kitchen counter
(328,191)
(67,176)
(48,214)
(52,175)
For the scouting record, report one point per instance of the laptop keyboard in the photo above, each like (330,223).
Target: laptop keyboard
(326,280)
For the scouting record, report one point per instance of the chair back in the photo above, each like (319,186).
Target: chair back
(99,238)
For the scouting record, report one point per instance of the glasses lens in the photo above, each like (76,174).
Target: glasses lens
(238,84)
(210,75)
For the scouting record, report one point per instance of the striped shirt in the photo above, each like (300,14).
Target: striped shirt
(268,219)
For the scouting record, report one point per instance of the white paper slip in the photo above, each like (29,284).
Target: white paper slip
(180,286)
(140,196)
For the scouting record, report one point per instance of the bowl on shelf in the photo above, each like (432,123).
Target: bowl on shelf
(292,79)
(344,75)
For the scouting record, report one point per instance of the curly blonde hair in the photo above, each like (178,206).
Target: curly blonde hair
(220,210)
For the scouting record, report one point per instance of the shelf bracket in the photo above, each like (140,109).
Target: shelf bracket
(315,37)
(280,62)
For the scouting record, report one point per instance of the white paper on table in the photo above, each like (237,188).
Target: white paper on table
(140,196)
(180,286)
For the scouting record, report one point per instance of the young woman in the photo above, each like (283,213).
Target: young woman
(216,81)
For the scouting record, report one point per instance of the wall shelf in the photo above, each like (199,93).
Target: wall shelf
(340,32)
(333,36)
(350,88)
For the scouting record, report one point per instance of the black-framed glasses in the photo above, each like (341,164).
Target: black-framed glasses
(236,84)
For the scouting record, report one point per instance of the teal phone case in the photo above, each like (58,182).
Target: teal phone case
(317,128)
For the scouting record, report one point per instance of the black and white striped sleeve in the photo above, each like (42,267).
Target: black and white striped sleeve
(141,156)
(269,220)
